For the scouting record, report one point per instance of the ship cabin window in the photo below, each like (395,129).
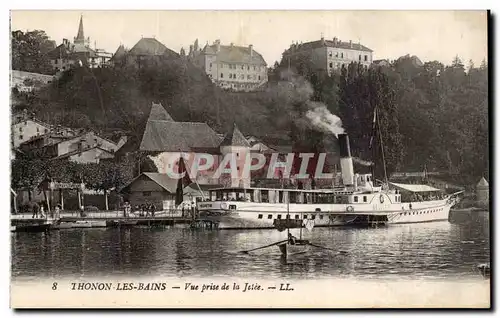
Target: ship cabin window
(313,217)
(288,216)
(292,197)
(280,196)
(305,216)
(265,196)
(355,198)
(321,216)
(297,216)
(341,199)
(323,198)
(279,216)
(308,198)
(260,216)
(269,216)
(365,198)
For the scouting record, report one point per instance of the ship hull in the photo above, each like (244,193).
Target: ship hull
(262,216)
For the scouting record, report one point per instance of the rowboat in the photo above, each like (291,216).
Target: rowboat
(294,247)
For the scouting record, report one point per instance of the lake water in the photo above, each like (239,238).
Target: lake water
(438,250)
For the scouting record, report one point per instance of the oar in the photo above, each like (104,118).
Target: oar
(258,248)
(327,248)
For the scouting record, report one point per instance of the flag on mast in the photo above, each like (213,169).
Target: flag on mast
(182,182)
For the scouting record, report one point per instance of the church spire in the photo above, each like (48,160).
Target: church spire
(80,38)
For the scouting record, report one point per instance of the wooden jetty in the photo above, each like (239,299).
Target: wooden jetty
(130,221)
(26,223)
(31,224)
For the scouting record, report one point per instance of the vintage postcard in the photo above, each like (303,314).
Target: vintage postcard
(249,159)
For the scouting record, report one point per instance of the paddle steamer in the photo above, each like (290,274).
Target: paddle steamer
(357,201)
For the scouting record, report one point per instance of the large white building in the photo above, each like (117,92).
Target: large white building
(238,68)
(26,129)
(329,55)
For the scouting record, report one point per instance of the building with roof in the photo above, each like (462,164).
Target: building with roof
(68,54)
(257,145)
(26,129)
(382,62)
(151,188)
(146,51)
(165,140)
(234,143)
(328,55)
(92,154)
(238,68)
(87,147)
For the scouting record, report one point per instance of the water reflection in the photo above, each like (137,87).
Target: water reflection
(433,250)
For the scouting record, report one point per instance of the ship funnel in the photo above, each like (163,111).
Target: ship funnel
(346,160)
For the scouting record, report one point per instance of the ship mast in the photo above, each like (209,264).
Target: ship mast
(376,120)
(288,213)
(301,223)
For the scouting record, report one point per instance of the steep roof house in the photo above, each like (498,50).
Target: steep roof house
(145,52)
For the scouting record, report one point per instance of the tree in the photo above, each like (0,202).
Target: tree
(363,93)
(29,51)
(471,66)
(26,174)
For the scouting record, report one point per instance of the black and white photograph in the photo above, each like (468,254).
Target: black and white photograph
(249,159)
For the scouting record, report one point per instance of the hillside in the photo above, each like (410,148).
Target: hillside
(125,95)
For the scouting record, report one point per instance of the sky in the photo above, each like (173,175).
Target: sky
(430,35)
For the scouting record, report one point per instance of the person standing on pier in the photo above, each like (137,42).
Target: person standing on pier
(42,215)
(35,208)
(126,209)
(152,209)
(57,212)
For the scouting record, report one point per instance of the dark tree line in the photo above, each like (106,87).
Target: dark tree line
(430,115)
(27,172)
(29,51)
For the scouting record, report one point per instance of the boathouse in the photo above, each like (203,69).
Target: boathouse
(151,187)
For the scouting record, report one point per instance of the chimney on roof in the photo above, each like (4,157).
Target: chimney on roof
(251,49)
(335,41)
(232,44)
(350,43)
(217,45)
